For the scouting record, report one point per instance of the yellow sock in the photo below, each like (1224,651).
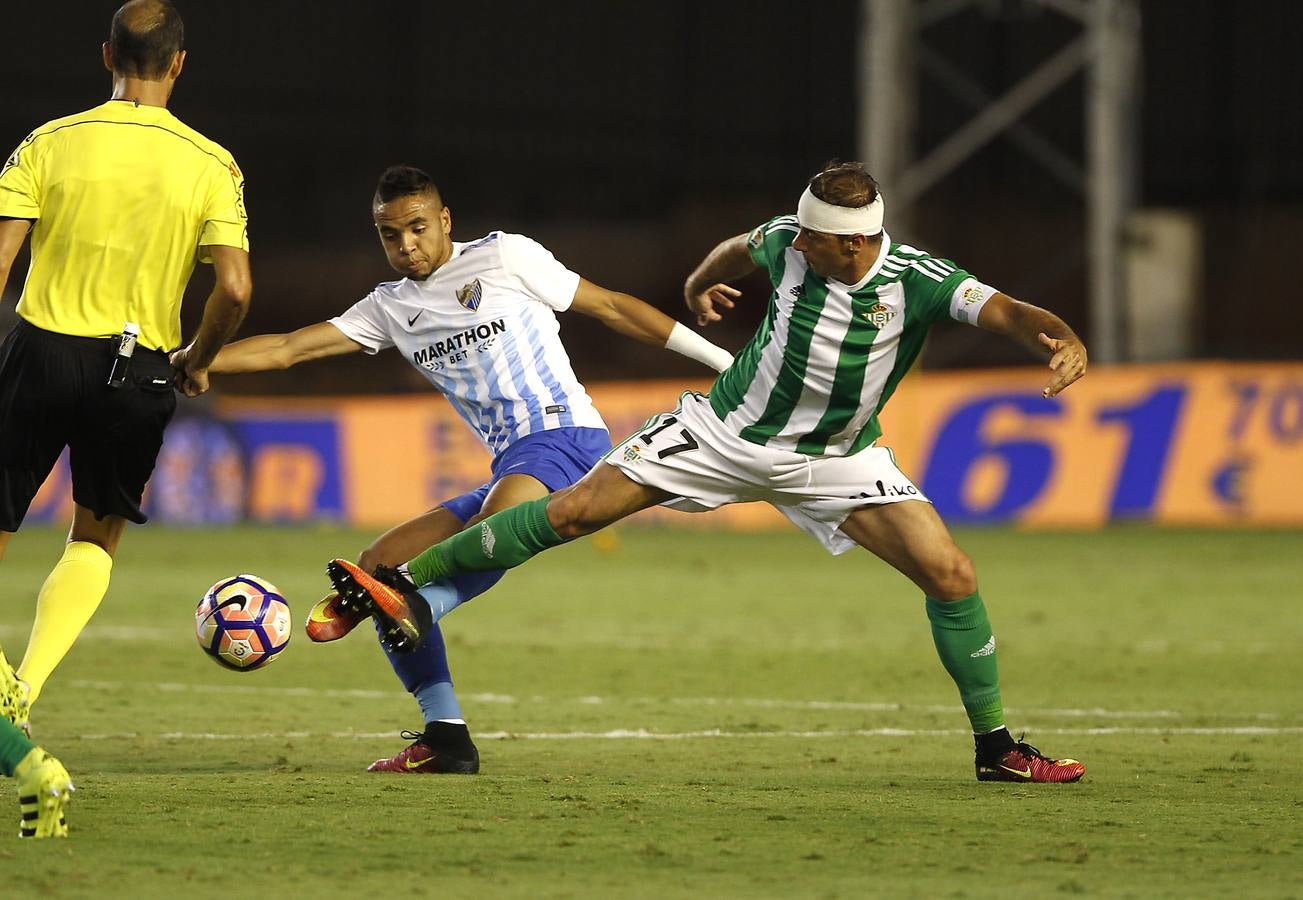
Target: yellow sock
(68,599)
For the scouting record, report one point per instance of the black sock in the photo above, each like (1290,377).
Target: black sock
(453,738)
(994,743)
(424,616)
(420,608)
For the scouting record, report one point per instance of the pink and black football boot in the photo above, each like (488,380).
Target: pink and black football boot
(1024,763)
(444,748)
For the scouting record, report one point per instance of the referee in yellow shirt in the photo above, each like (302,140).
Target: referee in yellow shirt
(121,201)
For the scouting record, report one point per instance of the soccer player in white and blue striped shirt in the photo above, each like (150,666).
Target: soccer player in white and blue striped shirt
(478,320)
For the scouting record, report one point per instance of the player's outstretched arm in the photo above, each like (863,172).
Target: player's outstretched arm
(12,234)
(705,288)
(1040,331)
(265,352)
(223,312)
(632,317)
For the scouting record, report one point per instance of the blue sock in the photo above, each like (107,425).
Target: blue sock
(438,702)
(446,594)
(424,672)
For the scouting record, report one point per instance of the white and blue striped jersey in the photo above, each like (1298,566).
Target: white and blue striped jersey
(483,330)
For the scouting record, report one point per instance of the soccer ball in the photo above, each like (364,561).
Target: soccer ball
(243,622)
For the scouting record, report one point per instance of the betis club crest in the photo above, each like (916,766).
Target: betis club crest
(878,315)
(468,295)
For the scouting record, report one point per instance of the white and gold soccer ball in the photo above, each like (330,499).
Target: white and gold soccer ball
(243,622)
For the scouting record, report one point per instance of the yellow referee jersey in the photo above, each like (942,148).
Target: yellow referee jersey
(124,197)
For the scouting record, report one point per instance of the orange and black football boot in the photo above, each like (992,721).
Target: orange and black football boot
(327,621)
(402,616)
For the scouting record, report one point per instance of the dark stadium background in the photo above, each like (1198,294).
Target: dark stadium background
(629,137)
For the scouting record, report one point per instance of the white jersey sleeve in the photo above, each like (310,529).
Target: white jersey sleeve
(364,322)
(968,299)
(538,272)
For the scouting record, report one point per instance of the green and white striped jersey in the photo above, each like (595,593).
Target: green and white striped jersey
(829,355)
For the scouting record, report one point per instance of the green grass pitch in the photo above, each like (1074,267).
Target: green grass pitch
(689,714)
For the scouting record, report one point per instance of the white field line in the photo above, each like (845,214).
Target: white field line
(107,632)
(760,703)
(157,634)
(900,707)
(175,687)
(640,734)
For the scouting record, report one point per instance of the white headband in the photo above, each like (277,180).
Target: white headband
(818,215)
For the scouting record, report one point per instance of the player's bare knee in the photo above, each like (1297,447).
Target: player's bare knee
(108,544)
(563,515)
(567,512)
(383,551)
(965,574)
(105,540)
(368,559)
(953,576)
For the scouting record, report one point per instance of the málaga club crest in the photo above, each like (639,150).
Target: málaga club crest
(468,295)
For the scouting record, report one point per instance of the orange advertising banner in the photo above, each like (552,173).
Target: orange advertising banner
(1190,444)
(1194,444)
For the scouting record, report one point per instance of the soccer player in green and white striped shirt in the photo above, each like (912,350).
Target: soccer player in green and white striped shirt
(793,422)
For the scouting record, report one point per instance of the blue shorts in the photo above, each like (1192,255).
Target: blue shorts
(558,458)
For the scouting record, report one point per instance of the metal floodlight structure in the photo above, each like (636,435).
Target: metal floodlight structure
(892,53)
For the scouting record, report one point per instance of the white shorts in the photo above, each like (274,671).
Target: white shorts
(689,453)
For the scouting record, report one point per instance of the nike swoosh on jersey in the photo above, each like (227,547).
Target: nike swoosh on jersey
(412,320)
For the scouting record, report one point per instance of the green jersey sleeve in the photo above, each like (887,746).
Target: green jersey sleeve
(768,242)
(939,289)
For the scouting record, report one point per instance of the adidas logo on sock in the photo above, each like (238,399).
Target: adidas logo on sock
(987,649)
(487,540)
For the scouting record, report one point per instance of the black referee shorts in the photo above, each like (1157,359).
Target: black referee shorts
(54,393)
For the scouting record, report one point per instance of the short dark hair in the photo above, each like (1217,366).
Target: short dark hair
(144,37)
(403,181)
(846,184)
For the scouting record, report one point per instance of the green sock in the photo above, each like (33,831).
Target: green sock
(966,646)
(14,745)
(502,541)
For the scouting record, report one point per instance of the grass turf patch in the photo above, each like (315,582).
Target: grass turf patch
(677,713)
